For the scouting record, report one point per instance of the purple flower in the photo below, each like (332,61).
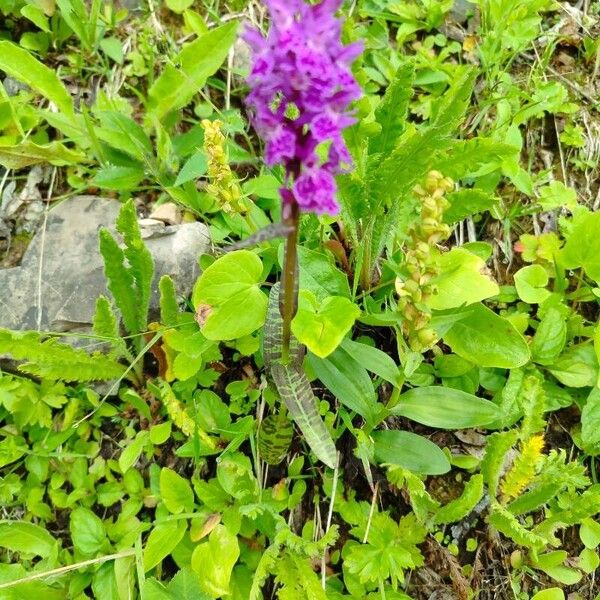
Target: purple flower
(301,87)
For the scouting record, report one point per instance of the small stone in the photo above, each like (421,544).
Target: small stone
(168,213)
(62,272)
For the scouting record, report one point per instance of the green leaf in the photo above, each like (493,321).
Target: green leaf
(36,16)
(176,492)
(411,451)
(229,290)
(577,367)
(348,381)
(162,541)
(28,153)
(589,560)
(463,280)
(169,307)
(87,532)
(295,391)
(467,202)
(194,168)
(121,179)
(60,362)
(27,538)
(590,423)
(549,594)
(589,532)
(187,585)
(199,59)
(445,408)
(531,282)
(487,339)
(21,65)
(179,6)
(458,509)
(374,360)
(124,134)
(392,111)
(550,337)
(214,561)
(132,452)
(319,275)
(557,195)
(322,326)
(113,48)
(583,245)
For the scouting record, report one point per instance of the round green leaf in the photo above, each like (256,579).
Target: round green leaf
(463,280)
(550,594)
(228,298)
(321,326)
(445,408)
(411,451)
(487,339)
(531,282)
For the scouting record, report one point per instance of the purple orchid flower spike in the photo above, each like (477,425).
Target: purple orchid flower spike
(301,88)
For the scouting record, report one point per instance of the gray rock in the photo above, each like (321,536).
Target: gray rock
(61,274)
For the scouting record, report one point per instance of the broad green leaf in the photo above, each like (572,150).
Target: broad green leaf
(487,339)
(411,451)
(162,541)
(549,594)
(322,326)
(463,280)
(229,292)
(132,452)
(27,538)
(175,491)
(36,16)
(88,532)
(589,532)
(199,59)
(214,561)
(28,153)
(550,337)
(374,360)
(295,391)
(187,585)
(445,408)
(590,423)
(121,179)
(589,560)
(348,381)
(21,65)
(124,134)
(194,168)
(577,367)
(113,48)
(583,244)
(319,275)
(531,282)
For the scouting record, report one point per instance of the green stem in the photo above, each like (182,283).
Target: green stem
(288,296)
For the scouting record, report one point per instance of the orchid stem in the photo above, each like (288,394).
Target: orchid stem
(288,298)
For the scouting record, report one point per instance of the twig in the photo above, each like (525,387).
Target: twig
(330,515)
(61,570)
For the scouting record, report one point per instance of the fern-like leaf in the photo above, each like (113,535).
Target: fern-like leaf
(458,509)
(139,258)
(533,404)
(392,110)
(106,326)
(295,391)
(52,360)
(169,309)
(120,280)
(505,522)
(497,447)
